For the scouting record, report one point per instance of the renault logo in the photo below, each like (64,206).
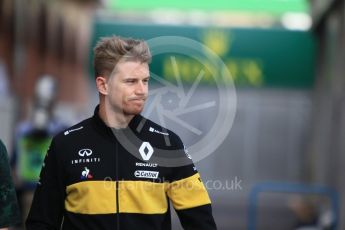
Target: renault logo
(146,151)
(84,152)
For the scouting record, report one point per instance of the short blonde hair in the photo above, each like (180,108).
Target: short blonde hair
(110,50)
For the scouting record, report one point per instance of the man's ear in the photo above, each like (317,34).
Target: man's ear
(102,85)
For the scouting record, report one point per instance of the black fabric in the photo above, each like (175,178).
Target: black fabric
(9,211)
(110,154)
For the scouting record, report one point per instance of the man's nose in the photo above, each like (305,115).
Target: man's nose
(141,88)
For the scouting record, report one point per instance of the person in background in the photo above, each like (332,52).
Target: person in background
(32,139)
(9,210)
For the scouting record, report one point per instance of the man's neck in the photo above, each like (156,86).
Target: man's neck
(114,119)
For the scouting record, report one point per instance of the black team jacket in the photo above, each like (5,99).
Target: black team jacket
(95,177)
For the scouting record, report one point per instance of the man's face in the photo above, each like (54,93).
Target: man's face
(128,87)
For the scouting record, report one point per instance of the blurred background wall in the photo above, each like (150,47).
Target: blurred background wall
(286,60)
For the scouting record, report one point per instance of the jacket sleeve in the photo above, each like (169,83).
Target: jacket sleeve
(48,203)
(9,211)
(189,196)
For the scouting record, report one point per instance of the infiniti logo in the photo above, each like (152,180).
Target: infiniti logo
(84,152)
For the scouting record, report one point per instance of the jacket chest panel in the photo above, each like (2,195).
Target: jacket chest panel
(109,161)
(89,161)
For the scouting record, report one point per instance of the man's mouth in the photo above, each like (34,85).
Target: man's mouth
(138,99)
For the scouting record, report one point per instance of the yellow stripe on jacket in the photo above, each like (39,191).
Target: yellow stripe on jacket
(99,197)
(187,193)
(143,197)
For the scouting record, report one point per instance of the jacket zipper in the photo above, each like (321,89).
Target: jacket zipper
(117,186)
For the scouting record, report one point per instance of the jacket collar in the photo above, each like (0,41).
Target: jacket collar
(135,125)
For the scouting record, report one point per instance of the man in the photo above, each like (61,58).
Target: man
(107,171)
(9,211)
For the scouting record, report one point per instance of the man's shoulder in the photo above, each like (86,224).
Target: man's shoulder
(74,130)
(155,130)
(153,127)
